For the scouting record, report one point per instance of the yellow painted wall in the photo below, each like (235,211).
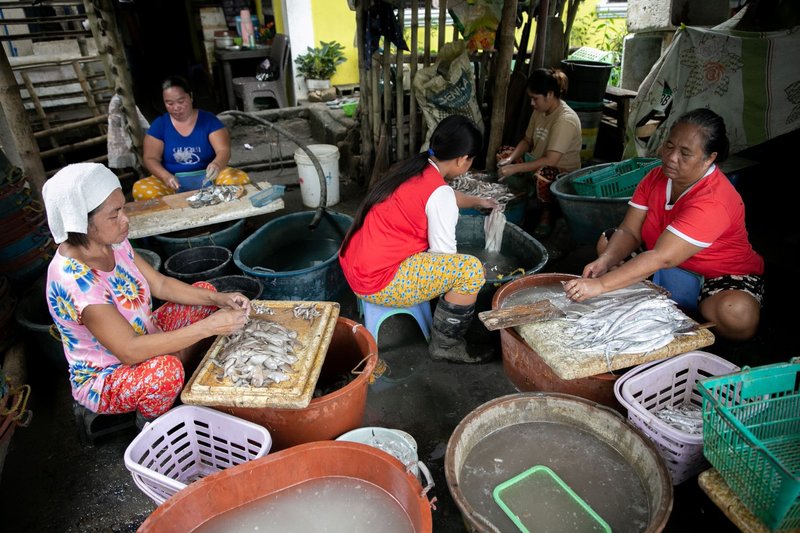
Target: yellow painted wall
(333,21)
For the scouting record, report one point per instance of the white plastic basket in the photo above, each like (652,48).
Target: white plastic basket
(188,443)
(648,388)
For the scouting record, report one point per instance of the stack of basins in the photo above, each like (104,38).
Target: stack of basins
(587,86)
(25,244)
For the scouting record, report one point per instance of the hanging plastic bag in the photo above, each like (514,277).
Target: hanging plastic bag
(447,88)
(477,21)
(493,227)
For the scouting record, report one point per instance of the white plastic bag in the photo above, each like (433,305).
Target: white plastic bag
(493,227)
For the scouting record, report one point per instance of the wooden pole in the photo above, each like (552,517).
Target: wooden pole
(19,127)
(400,91)
(505,52)
(540,46)
(442,24)
(427,38)
(412,119)
(366,103)
(522,51)
(387,93)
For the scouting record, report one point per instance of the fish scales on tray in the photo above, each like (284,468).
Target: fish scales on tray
(261,354)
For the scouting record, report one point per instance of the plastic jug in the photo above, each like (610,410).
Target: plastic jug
(247,28)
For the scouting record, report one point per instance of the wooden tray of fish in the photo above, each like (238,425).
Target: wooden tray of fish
(274,362)
(614,331)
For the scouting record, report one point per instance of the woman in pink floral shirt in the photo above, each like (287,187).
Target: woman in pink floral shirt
(122,356)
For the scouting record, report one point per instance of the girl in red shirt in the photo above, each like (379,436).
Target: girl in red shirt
(401,248)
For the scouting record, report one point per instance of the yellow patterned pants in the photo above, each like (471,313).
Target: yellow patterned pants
(424,276)
(152,187)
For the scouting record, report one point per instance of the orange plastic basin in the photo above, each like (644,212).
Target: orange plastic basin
(212,496)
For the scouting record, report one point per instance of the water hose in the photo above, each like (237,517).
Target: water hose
(323,186)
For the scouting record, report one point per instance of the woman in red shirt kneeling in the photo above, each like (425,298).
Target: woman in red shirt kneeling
(401,248)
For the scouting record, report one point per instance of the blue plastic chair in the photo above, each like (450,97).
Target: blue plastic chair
(684,286)
(374,315)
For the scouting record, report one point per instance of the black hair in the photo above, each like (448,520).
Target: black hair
(454,137)
(545,80)
(81,239)
(712,127)
(176,81)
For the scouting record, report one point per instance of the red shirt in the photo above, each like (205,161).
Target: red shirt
(393,230)
(710,214)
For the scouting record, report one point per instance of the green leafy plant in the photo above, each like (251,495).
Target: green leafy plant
(320,63)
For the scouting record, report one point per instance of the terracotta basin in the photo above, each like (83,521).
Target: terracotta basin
(528,371)
(352,348)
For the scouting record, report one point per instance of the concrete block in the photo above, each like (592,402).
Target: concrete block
(640,51)
(660,15)
(324,126)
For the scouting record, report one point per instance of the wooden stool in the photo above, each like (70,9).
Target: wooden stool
(375,314)
(91,425)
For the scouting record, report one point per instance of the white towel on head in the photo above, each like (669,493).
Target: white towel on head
(72,193)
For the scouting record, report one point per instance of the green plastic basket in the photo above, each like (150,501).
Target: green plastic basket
(538,496)
(751,434)
(587,53)
(617,180)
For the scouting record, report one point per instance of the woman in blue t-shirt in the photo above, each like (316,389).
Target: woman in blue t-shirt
(184,139)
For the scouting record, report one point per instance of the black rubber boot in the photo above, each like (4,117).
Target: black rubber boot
(450,323)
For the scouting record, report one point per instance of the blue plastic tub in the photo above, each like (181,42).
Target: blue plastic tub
(294,262)
(190,181)
(520,255)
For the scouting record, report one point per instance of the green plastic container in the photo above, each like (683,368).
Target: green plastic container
(539,500)
(617,180)
(751,434)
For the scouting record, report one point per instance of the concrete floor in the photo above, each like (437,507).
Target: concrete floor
(52,483)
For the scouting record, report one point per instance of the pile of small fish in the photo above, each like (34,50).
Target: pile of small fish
(261,354)
(213,195)
(686,417)
(474,186)
(307,312)
(633,320)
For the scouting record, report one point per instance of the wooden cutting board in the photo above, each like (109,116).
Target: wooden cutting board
(133,209)
(173,201)
(208,387)
(547,339)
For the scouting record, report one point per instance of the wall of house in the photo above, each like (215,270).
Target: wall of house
(335,21)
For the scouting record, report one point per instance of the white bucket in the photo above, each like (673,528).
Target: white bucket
(395,442)
(328,156)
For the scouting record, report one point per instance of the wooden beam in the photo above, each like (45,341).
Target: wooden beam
(505,51)
(365,100)
(72,125)
(400,91)
(75,146)
(19,128)
(412,119)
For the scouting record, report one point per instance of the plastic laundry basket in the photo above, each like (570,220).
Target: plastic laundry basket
(649,388)
(188,443)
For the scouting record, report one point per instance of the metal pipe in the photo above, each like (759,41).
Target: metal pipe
(323,187)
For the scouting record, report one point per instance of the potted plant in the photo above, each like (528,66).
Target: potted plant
(319,64)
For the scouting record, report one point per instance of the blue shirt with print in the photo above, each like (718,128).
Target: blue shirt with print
(190,153)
